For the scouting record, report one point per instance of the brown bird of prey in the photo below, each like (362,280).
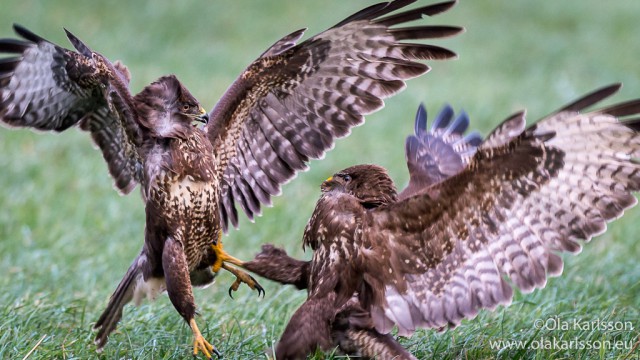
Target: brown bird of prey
(440,250)
(287,107)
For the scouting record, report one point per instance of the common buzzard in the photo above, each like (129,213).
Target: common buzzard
(475,213)
(287,107)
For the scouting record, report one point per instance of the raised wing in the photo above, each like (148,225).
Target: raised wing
(293,102)
(443,151)
(524,197)
(46,87)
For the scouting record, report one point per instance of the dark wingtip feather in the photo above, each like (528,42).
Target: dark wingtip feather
(366,13)
(421,120)
(591,98)
(443,118)
(284,44)
(426,32)
(13,46)
(27,34)
(627,108)
(460,124)
(78,44)
(413,14)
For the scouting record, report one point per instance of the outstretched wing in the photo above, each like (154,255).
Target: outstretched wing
(46,87)
(293,102)
(443,151)
(526,195)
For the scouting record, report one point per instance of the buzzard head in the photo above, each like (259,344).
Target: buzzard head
(370,184)
(168,109)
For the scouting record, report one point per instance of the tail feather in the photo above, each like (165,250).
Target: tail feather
(123,295)
(371,344)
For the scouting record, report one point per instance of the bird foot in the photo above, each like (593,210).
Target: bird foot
(242,277)
(200,344)
(222,258)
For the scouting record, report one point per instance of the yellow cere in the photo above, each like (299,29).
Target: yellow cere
(329,178)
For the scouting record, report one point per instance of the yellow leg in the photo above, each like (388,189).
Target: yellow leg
(200,344)
(222,258)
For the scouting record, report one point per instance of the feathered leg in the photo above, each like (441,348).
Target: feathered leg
(308,329)
(176,273)
(274,264)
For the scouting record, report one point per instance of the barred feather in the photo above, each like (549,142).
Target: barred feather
(46,87)
(305,96)
(526,195)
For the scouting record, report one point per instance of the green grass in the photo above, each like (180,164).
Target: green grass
(66,237)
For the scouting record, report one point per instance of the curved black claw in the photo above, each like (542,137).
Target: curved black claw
(218,353)
(255,286)
(258,287)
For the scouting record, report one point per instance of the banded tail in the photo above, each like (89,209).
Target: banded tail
(123,295)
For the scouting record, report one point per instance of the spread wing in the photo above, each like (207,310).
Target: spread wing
(46,87)
(526,195)
(293,102)
(443,151)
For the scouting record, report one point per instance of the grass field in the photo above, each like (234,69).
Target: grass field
(66,237)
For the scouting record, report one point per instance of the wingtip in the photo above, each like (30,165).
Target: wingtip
(26,33)
(420,124)
(70,35)
(78,44)
(442,7)
(443,118)
(614,87)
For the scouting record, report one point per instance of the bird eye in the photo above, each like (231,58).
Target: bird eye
(185,107)
(346,178)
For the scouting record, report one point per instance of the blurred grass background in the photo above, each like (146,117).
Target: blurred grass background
(66,237)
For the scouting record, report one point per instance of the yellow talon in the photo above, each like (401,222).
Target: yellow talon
(222,258)
(199,342)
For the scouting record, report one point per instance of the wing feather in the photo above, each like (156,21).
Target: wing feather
(49,88)
(525,195)
(305,96)
(443,151)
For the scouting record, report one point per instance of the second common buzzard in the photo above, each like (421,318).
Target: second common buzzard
(470,218)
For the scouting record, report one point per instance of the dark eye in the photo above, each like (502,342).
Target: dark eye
(185,107)
(346,178)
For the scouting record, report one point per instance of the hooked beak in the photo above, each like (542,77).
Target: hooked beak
(202,116)
(327,184)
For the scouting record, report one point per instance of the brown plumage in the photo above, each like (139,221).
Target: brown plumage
(287,107)
(444,248)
